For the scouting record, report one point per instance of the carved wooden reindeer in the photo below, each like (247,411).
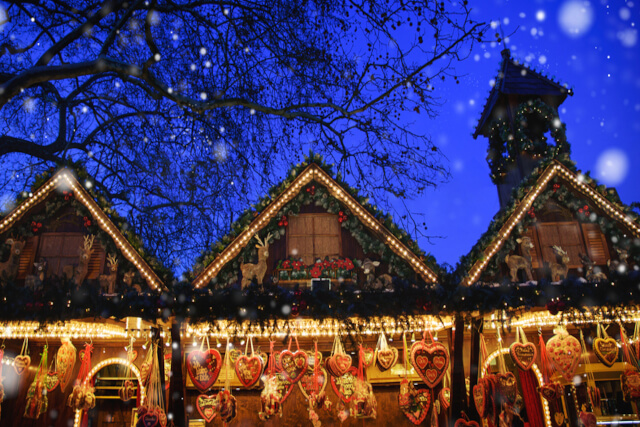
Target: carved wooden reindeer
(108,281)
(249,271)
(517,262)
(78,273)
(620,265)
(9,268)
(34,281)
(589,274)
(559,270)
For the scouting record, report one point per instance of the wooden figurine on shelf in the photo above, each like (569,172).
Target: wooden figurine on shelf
(620,265)
(108,281)
(34,281)
(589,274)
(77,274)
(559,270)
(9,268)
(369,270)
(249,271)
(516,262)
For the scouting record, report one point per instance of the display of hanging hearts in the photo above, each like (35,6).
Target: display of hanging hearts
(523,355)
(294,365)
(507,387)
(480,398)
(464,423)
(606,350)
(249,370)
(51,381)
(559,418)
(445,398)
(387,358)
(430,361)
(65,360)
(306,383)
(414,404)
(630,382)
(341,363)
(344,386)
(204,367)
(551,391)
(207,406)
(564,351)
(21,364)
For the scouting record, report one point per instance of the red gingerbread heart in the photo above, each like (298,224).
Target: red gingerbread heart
(249,370)
(524,355)
(51,381)
(551,391)
(419,405)
(207,406)
(369,357)
(606,350)
(150,420)
(430,361)
(341,363)
(387,358)
(480,398)
(294,365)
(507,387)
(465,423)
(204,367)
(564,352)
(344,386)
(21,364)
(307,385)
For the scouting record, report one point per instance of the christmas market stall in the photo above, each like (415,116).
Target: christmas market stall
(78,309)
(551,288)
(313,308)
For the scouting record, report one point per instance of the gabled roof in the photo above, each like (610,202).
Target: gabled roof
(493,240)
(518,79)
(66,180)
(313,172)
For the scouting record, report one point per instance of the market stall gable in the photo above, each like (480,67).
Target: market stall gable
(62,231)
(315,231)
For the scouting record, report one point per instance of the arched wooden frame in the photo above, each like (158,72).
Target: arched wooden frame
(536,370)
(98,367)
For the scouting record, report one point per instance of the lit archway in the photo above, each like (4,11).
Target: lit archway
(102,364)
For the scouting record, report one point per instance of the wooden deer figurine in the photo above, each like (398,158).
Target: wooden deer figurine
(78,273)
(9,268)
(559,270)
(249,271)
(108,281)
(34,281)
(517,262)
(620,265)
(589,274)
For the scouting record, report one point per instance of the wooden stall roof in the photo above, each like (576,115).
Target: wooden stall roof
(65,179)
(522,206)
(313,172)
(516,78)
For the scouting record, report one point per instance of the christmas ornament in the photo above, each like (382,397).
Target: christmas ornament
(563,350)
(430,360)
(507,387)
(386,357)
(369,357)
(344,386)
(630,382)
(363,401)
(65,361)
(313,382)
(523,353)
(22,361)
(445,398)
(414,404)
(207,406)
(51,381)
(249,368)
(270,399)
(605,348)
(152,413)
(339,363)
(82,397)
(588,419)
(481,397)
(294,365)
(204,367)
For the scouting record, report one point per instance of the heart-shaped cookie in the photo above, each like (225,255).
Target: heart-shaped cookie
(387,358)
(51,381)
(65,361)
(341,363)
(145,371)
(204,367)
(306,383)
(445,398)
(630,382)
(563,350)
(369,356)
(344,386)
(417,404)
(464,423)
(480,398)
(234,354)
(430,361)
(588,419)
(551,391)
(150,420)
(21,364)
(294,365)
(127,391)
(132,355)
(207,406)
(523,355)
(284,386)
(507,387)
(606,350)
(249,370)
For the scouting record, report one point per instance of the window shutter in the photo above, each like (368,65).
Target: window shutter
(596,243)
(96,263)
(27,258)
(314,235)
(564,234)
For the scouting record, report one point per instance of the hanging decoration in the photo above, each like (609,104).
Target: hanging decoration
(145,367)
(369,357)
(167,368)
(293,365)
(37,401)
(364,404)
(480,391)
(128,388)
(249,368)
(430,360)
(207,406)
(630,378)
(593,392)
(51,380)
(549,390)
(271,397)
(226,401)
(461,422)
(507,387)
(339,362)
(65,361)
(152,413)
(444,397)
(605,347)
(312,385)
(22,361)
(414,404)
(523,353)
(204,367)
(82,397)
(563,350)
(386,356)
(344,385)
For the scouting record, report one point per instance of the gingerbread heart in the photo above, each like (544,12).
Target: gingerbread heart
(65,361)
(328,364)
(630,381)
(445,398)
(523,355)
(127,391)
(344,386)
(249,370)
(564,351)
(294,365)
(234,355)
(341,363)
(588,419)
(419,405)
(464,423)
(480,398)
(430,361)
(145,371)
(507,387)
(309,384)
(551,391)
(132,355)
(207,406)
(204,367)
(606,350)
(387,358)
(284,386)
(150,420)
(21,364)
(51,381)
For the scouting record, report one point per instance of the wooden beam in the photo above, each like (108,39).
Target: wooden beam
(458,388)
